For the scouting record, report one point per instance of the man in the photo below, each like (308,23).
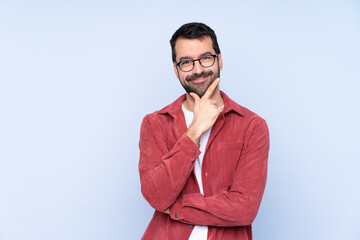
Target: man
(203,158)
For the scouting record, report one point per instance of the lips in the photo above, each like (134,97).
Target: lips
(199,80)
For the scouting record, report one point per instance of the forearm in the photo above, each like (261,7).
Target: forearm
(227,209)
(163,173)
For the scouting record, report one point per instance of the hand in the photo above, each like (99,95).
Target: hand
(205,113)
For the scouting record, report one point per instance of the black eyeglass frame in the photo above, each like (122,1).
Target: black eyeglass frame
(193,62)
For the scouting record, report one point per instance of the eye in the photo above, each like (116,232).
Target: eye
(185,62)
(206,57)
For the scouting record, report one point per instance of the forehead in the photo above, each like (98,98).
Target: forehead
(193,47)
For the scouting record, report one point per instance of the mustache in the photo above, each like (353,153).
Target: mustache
(196,76)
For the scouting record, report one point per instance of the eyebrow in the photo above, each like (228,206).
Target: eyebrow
(203,54)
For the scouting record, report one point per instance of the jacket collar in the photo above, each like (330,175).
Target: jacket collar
(174,108)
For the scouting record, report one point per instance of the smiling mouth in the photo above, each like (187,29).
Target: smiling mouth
(199,80)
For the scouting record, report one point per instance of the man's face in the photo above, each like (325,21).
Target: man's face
(199,78)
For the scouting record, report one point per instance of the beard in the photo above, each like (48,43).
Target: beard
(199,88)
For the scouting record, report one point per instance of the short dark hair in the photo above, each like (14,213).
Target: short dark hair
(193,30)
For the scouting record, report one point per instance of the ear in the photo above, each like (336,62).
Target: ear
(176,70)
(220,61)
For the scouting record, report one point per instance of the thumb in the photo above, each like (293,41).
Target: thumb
(195,96)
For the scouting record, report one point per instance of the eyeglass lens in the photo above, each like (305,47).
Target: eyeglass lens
(188,65)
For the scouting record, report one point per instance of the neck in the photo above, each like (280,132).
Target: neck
(189,103)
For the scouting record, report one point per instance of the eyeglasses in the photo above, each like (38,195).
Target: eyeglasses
(205,61)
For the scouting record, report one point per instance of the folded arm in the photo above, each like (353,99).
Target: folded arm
(163,172)
(238,205)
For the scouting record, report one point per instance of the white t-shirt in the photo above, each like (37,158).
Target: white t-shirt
(199,232)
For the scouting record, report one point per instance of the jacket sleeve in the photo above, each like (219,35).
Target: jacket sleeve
(163,171)
(238,205)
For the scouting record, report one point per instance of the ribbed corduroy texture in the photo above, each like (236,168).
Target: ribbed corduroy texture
(233,173)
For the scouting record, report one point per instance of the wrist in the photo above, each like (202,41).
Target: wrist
(194,134)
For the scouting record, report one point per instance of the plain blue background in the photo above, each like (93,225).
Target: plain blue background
(77,77)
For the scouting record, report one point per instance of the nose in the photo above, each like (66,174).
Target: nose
(197,67)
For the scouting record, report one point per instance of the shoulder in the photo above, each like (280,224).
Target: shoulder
(169,111)
(241,113)
(232,106)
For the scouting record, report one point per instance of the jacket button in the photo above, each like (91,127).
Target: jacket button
(190,226)
(176,215)
(194,152)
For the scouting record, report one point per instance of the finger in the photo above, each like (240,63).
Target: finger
(220,109)
(195,96)
(215,103)
(212,88)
